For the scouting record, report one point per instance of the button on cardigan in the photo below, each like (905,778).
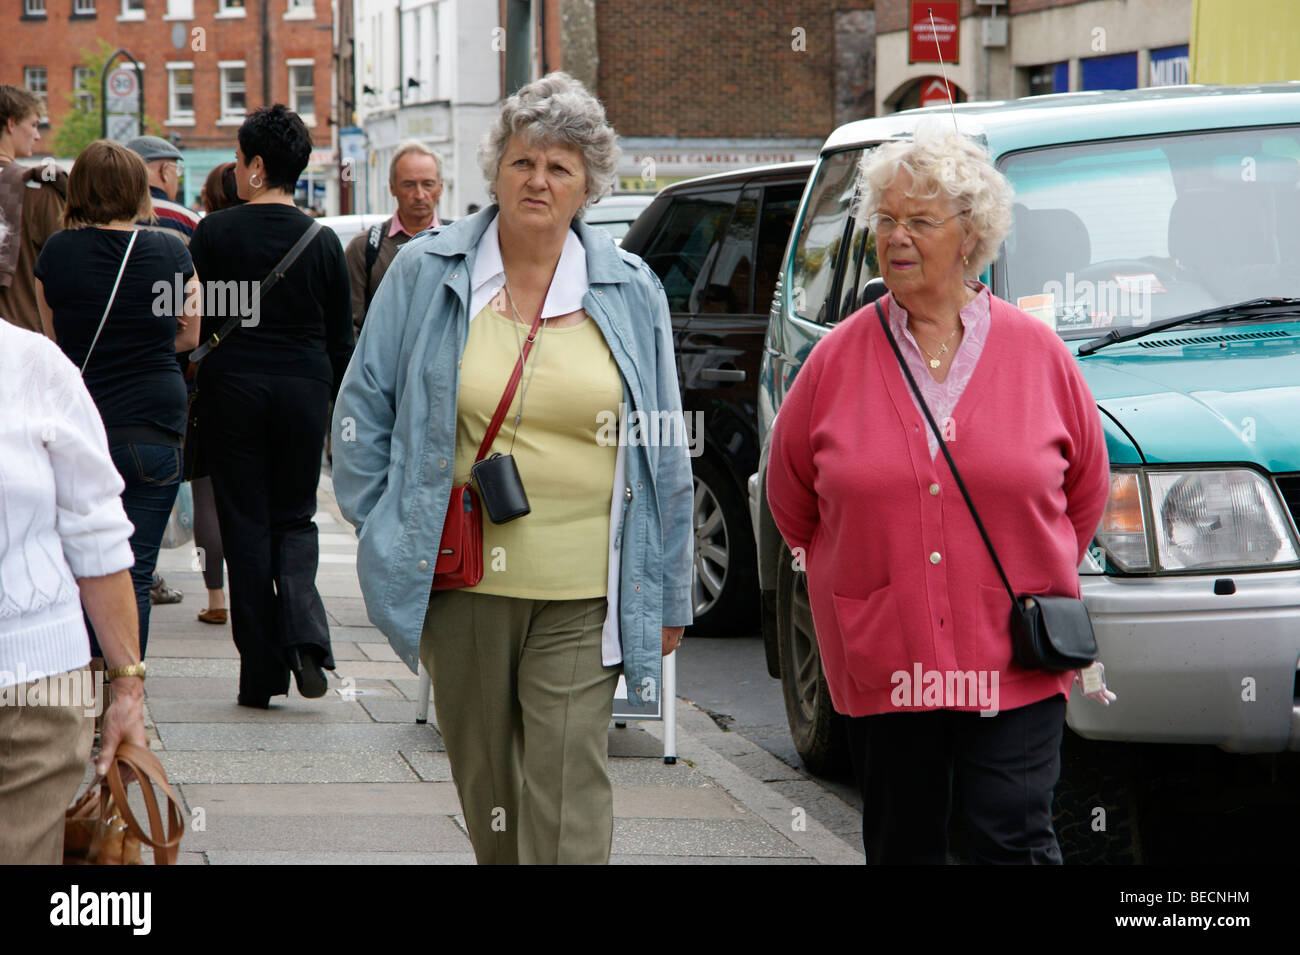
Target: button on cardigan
(898,577)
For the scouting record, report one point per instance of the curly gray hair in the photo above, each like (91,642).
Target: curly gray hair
(941,161)
(555,110)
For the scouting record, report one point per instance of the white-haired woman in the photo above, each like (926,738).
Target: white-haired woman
(64,544)
(904,594)
(598,573)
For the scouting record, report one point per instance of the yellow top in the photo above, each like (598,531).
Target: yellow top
(560,550)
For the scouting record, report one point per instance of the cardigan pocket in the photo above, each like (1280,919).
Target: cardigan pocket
(875,646)
(993,633)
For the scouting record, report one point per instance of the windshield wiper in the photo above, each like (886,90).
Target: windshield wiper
(1247,309)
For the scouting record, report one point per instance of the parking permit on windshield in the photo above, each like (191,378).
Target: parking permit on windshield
(1042,307)
(1140,282)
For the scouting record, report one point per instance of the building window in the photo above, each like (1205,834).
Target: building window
(132,10)
(234,102)
(180,92)
(302,95)
(230,8)
(299,10)
(179,10)
(83,8)
(83,80)
(34,80)
(33,8)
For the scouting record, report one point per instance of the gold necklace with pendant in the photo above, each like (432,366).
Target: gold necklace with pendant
(936,360)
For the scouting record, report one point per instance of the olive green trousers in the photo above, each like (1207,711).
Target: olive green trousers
(523,704)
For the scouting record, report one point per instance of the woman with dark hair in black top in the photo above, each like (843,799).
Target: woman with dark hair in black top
(264,393)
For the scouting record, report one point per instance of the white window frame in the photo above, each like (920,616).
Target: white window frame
(225,10)
(175,117)
(44,94)
(308,119)
(83,8)
(179,10)
(129,15)
(35,8)
(226,118)
(86,98)
(299,10)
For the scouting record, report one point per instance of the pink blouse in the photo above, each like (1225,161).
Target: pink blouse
(942,397)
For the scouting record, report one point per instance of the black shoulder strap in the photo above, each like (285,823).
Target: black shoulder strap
(947,455)
(268,283)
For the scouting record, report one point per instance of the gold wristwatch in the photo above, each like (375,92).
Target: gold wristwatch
(135,669)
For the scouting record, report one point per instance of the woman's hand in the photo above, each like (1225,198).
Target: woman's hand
(672,637)
(124,721)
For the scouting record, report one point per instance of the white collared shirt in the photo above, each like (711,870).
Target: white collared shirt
(567,287)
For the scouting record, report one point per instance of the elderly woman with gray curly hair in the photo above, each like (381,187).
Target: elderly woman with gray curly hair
(912,620)
(522,316)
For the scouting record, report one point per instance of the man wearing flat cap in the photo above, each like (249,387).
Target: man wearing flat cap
(164,163)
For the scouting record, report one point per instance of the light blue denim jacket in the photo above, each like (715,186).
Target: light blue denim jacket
(394,438)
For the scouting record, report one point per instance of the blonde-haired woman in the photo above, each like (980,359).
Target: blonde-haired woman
(98,292)
(899,579)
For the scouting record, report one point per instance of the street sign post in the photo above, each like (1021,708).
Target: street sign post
(121,98)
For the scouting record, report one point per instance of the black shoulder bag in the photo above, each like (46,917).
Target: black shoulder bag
(194,465)
(1047,633)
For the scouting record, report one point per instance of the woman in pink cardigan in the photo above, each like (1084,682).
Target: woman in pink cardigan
(912,620)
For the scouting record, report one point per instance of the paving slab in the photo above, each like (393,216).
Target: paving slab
(628,859)
(299,737)
(431,767)
(652,772)
(269,799)
(347,611)
(227,857)
(676,802)
(330,832)
(371,670)
(328,709)
(221,648)
(184,766)
(358,634)
(380,653)
(635,742)
(701,837)
(402,710)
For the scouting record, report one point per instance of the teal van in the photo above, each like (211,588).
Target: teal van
(1158,232)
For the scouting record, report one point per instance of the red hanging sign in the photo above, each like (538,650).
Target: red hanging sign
(926,43)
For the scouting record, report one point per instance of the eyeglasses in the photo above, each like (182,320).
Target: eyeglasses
(923,226)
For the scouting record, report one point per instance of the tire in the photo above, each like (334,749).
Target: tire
(1097,775)
(819,733)
(724,585)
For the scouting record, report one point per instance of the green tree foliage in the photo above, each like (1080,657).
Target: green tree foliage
(80,124)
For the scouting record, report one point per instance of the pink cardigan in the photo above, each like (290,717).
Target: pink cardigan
(898,577)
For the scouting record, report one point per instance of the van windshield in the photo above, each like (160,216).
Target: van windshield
(1125,233)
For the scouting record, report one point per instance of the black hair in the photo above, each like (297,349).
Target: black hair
(277,135)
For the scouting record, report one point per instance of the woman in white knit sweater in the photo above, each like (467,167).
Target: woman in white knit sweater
(63,543)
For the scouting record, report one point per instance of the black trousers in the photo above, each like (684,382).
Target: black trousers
(264,436)
(1005,768)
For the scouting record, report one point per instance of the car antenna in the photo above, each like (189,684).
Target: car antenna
(947,87)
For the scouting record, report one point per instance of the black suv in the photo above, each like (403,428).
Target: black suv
(717,243)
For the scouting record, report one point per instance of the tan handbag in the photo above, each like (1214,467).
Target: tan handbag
(100,828)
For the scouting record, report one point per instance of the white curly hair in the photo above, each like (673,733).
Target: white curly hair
(555,110)
(941,161)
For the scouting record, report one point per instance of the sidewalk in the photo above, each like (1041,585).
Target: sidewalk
(352,779)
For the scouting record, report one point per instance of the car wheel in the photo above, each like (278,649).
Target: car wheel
(817,730)
(724,584)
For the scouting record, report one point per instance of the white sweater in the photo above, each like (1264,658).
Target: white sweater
(61,513)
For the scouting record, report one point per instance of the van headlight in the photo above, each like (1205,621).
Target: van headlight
(1201,519)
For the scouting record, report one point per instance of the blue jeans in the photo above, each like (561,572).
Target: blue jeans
(152,473)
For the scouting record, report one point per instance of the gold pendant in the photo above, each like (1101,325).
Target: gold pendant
(934,363)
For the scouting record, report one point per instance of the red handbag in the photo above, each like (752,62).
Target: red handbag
(460,552)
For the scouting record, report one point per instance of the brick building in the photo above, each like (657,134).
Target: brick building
(1013,48)
(694,89)
(205,64)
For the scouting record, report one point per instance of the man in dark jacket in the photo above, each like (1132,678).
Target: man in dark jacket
(415,180)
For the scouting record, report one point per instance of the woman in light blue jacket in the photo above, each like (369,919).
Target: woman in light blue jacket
(597,576)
